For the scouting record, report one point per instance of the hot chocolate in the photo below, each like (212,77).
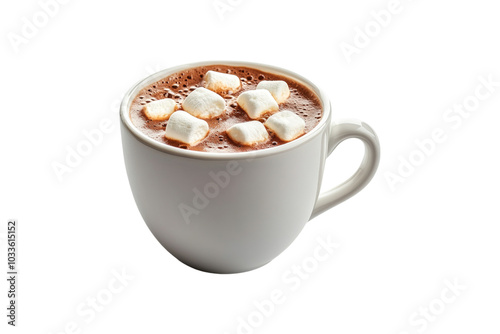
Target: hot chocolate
(301,101)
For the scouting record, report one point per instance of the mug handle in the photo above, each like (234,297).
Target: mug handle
(340,131)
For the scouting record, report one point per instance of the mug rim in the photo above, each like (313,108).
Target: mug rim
(132,92)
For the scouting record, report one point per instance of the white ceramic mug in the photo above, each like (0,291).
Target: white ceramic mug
(233,212)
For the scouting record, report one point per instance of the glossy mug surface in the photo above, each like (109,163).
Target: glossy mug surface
(234,212)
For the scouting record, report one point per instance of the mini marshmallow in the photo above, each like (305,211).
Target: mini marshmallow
(186,128)
(278,89)
(204,103)
(257,103)
(221,82)
(286,125)
(160,110)
(248,133)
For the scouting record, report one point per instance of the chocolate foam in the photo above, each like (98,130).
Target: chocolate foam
(302,101)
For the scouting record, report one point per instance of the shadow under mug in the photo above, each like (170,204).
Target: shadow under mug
(234,212)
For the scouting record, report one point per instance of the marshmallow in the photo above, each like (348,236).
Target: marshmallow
(204,103)
(278,89)
(160,110)
(248,133)
(186,128)
(286,125)
(221,82)
(257,103)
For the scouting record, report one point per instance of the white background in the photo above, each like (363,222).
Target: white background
(398,246)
